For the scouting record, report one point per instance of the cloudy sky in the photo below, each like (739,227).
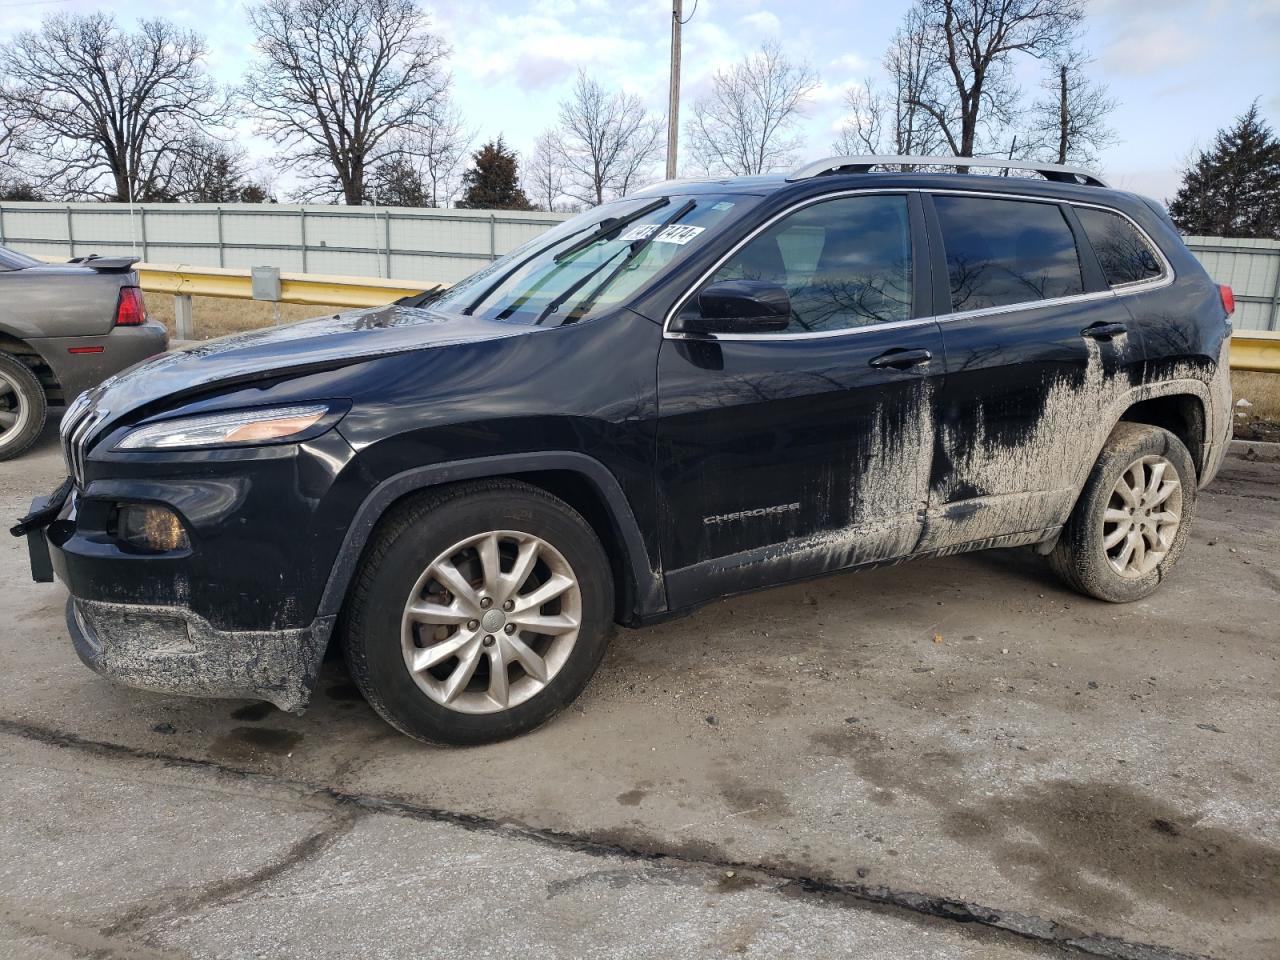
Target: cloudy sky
(1180,68)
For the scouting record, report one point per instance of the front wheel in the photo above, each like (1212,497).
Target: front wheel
(479,612)
(1132,519)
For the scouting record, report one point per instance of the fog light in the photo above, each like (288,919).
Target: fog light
(149,527)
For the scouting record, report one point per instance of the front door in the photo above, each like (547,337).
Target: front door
(789,454)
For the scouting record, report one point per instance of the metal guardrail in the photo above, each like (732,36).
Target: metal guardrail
(1257,350)
(310,288)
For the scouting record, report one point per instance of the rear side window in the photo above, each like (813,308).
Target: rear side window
(1126,257)
(1001,252)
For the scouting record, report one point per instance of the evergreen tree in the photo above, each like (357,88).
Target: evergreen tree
(1233,190)
(493,182)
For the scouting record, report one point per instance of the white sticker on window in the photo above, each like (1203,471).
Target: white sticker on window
(673,234)
(677,234)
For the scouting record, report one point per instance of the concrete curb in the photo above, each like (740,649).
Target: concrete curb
(1255,450)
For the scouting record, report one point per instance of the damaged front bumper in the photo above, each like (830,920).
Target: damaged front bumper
(173,650)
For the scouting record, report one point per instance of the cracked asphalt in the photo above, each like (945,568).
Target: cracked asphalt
(953,758)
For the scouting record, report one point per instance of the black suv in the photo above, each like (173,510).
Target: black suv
(702,389)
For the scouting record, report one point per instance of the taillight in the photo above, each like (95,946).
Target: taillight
(131,311)
(1228,299)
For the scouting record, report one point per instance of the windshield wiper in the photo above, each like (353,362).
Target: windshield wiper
(637,247)
(506,275)
(610,225)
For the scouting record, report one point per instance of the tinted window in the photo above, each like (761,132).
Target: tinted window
(1006,251)
(844,263)
(1125,256)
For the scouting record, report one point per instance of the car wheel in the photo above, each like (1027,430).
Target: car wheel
(479,612)
(1133,516)
(22,407)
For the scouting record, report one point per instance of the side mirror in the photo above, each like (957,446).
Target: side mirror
(740,306)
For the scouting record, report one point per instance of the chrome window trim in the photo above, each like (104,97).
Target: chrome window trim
(1136,286)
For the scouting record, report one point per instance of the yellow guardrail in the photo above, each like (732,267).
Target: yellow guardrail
(181,280)
(1256,350)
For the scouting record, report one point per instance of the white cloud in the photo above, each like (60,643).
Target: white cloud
(1148,46)
(849,63)
(764,21)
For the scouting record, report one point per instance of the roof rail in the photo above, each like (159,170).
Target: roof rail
(1050,171)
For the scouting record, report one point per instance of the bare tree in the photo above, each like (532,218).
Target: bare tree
(967,86)
(105,108)
(863,130)
(1072,119)
(207,170)
(745,124)
(339,84)
(607,142)
(424,169)
(545,175)
(441,152)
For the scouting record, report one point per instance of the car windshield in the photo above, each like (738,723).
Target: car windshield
(592,262)
(13,260)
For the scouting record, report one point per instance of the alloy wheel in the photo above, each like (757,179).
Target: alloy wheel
(1142,516)
(13,409)
(491,621)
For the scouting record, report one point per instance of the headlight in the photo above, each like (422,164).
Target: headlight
(219,429)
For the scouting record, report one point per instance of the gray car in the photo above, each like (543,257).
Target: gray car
(64,327)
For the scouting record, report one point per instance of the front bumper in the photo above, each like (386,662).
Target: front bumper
(172,650)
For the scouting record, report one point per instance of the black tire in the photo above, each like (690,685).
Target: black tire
(406,543)
(21,395)
(1080,557)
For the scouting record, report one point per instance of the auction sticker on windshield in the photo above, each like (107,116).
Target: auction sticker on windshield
(672,234)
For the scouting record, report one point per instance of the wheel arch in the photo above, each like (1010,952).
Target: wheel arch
(34,359)
(1182,414)
(1181,406)
(580,480)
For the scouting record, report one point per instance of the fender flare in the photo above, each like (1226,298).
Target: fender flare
(650,587)
(1165,388)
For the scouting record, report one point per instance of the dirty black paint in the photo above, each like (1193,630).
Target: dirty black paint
(740,463)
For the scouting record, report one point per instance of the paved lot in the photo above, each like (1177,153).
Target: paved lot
(958,737)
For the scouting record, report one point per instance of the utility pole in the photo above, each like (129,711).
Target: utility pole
(673,107)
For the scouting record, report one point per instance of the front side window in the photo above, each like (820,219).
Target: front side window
(1124,254)
(1002,252)
(585,265)
(844,262)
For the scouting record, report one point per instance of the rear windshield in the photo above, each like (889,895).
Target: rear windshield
(590,263)
(13,260)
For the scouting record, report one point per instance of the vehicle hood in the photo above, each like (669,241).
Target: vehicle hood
(292,349)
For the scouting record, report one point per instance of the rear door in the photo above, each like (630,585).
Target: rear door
(788,454)
(1035,342)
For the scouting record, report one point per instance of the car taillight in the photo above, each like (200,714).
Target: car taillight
(1228,299)
(131,311)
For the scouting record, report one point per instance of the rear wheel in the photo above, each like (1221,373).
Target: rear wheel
(22,407)
(1133,516)
(479,612)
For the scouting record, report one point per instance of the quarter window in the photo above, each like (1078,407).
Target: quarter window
(1001,252)
(844,262)
(1123,253)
